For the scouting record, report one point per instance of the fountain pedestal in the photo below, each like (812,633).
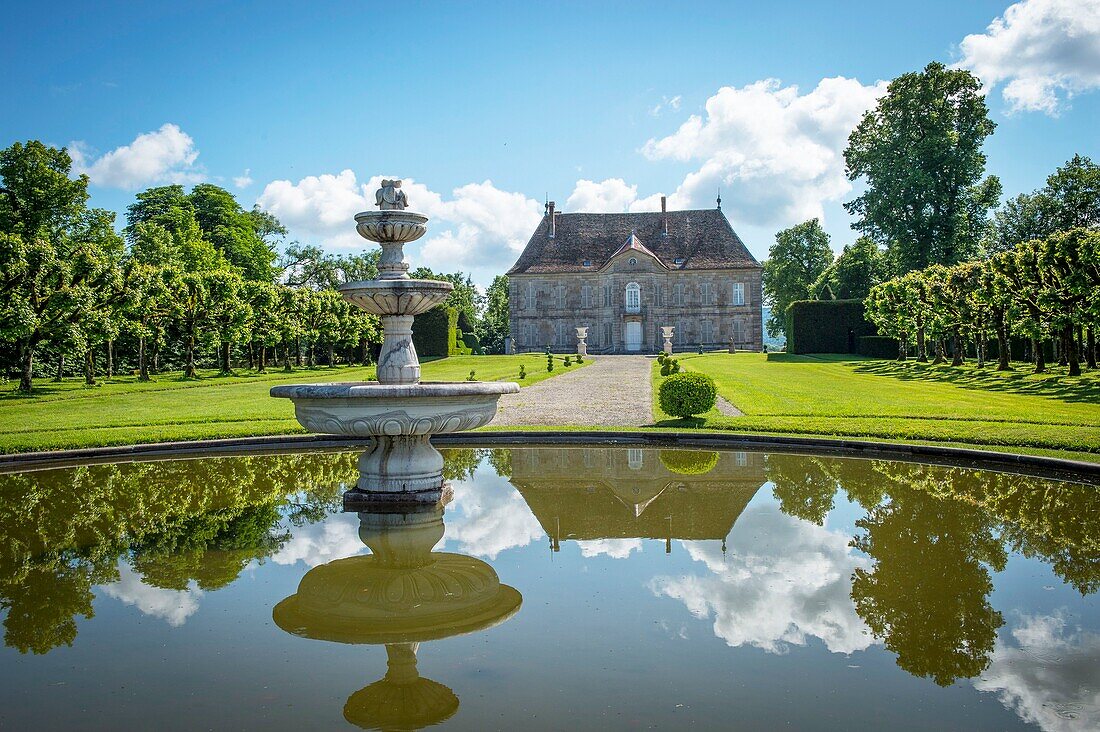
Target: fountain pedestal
(398,412)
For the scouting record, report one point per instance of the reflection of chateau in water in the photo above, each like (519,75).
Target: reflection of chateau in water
(599,493)
(400,595)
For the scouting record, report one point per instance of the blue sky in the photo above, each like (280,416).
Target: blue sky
(487,107)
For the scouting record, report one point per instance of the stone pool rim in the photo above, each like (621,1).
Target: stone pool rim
(1062,469)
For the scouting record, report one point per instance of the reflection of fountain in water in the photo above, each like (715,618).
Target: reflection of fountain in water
(400,595)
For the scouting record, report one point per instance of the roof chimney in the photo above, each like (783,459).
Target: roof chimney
(664,217)
(553,221)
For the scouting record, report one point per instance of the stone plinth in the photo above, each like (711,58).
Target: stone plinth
(582,345)
(666,334)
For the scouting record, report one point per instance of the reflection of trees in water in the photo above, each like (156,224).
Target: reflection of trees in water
(926,595)
(934,534)
(174,521)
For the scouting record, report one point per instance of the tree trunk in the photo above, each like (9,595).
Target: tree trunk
(262,362)
(1090,348)
(1071,352)
(311,360)
(956,344)
(110,359)
(979,348)
(331,356)
(225,365)
(298,352)
(60,366)
(189,367)
(286,358)
(143,362)
(1003,344)
(922,352)
(939,352)
(1040,357)
(251,355)
(89,367)
(156,360)
(901,346)
(26,371)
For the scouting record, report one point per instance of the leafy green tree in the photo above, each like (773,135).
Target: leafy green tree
(236,232)
(492,331)
(1074,194)
(795,262)
(58,258)
(229,313)
(1023,218)
(464,297)
(919,152)
(851,276)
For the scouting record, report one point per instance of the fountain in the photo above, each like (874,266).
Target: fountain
(400,596)
(398,412)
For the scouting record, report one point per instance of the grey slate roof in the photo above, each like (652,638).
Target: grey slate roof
(703,239)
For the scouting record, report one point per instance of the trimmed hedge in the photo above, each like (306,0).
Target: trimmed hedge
(826,326)
(877,346)
(686,394)
(434,332)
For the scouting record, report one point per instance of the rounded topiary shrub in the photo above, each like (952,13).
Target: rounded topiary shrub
(687,394)
(689,462)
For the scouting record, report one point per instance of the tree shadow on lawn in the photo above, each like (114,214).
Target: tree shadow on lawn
(1054,385)
(685,423)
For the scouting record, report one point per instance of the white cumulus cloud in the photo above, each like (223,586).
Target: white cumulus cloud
(614,548)
(314,544)
(1043,52)
(166,155)
(480,227)
(244,180)
(776,153)
(488,516)
(1050,676)
(782,582)
(172,606)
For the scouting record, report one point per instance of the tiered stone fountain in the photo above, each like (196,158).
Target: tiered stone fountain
(398,412)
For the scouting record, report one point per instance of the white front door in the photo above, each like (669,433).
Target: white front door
(633,335)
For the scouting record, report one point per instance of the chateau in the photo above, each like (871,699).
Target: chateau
(624,276)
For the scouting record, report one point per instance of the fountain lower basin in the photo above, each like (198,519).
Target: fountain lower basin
(401,466)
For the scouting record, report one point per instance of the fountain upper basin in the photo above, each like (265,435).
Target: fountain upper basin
(367,409)
(396,296)
(391,226)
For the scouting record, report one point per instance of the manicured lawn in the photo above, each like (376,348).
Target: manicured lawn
(124,411)
(855,397)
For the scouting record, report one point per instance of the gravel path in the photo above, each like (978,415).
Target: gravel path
(612,391)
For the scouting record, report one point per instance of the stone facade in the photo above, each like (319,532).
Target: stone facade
(624,291)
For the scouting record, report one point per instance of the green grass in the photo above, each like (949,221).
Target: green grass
(849,396)
(123,411)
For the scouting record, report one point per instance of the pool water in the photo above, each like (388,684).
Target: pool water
(559,588)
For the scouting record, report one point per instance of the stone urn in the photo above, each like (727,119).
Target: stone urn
(397,412)
(582,345)
(666,334)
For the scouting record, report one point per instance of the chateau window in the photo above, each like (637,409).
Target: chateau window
(705,296)
(633,298)
(607,296)
(563,335)
(678,295)
(681,333)
(606,338)
(635,458)
(561,296)
(738,297)
(705,337)
(632,261)
(741,458)
(738,332)
(586,296)
(528,335)
(531,295)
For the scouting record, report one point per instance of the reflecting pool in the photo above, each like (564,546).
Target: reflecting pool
(576,588)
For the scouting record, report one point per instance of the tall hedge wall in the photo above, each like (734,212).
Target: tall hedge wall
(826,326)
(434,332)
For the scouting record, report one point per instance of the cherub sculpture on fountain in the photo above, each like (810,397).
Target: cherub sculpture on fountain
(390,197)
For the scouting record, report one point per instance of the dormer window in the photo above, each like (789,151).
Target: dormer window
(586,263)
(678,260)
(632,261)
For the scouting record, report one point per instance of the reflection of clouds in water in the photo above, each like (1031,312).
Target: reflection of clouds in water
(614,548)
(488,516)
(171,606)
(782,581)
(315,544)
(1051,677)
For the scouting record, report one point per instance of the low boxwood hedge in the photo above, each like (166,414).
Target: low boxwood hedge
(687,394)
